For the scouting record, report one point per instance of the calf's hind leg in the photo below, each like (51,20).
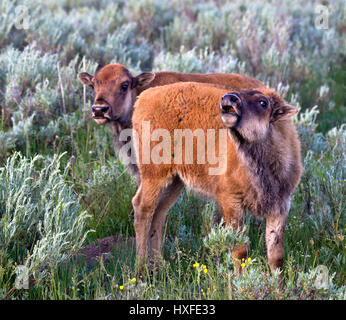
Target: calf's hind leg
(234,216)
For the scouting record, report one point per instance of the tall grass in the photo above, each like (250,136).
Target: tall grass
(48,204)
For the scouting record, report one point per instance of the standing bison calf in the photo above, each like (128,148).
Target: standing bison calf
(253,134)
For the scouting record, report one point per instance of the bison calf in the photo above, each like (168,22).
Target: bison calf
(261,153)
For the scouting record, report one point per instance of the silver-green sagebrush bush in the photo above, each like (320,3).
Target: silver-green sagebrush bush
(257,283)
(323,183)
(222,238)
(30,81)
(42,208)
(41,221)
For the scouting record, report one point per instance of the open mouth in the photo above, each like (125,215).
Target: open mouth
(230,114)
(100,120)
(228,110)
(105,117)
(99,117)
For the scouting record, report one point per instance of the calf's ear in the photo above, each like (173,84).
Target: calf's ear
(143,79)
(86,78)
(283,112)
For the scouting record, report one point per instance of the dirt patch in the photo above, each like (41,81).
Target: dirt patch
(105,248)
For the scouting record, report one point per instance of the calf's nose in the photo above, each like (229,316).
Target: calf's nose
(99,111)
(230,102)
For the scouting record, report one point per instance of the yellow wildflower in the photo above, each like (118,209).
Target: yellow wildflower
(133,280)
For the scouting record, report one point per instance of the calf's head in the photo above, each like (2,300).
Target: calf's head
(251,114)
(115,91)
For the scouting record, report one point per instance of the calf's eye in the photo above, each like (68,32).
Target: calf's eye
(124,86)
(263,104)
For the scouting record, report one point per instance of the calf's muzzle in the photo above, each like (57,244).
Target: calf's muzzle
(231,109)
(231,104)
(100,111)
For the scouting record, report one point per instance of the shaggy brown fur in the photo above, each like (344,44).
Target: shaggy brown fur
(263,164)
(116,90)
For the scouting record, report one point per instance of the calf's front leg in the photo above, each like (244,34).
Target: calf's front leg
(144,204)
(168,197)
(275,225)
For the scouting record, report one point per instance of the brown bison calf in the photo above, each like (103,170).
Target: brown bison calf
(253,136)
(116,90)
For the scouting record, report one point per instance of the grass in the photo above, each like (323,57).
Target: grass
(310,71)
(106,194)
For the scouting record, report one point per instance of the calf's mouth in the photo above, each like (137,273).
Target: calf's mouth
(230,104)
(230,114)
(101,114)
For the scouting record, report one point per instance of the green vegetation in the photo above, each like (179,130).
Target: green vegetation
(62,186)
